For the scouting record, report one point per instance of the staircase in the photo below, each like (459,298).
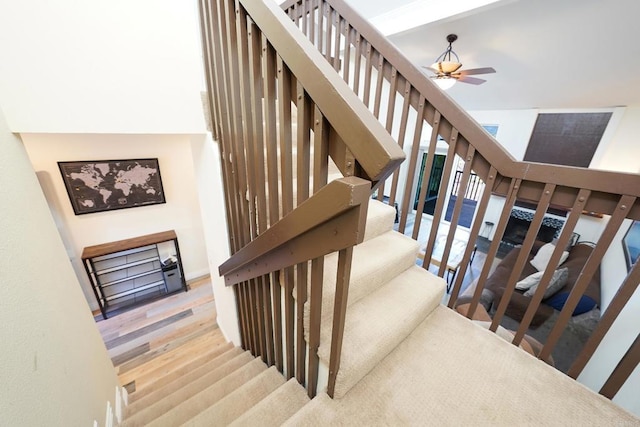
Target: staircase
(406,360)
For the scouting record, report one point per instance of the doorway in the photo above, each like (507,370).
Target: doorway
(435,178)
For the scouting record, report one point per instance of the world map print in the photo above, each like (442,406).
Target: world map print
(96,186)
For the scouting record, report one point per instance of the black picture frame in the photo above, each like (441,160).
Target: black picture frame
(631,244)
(105,185)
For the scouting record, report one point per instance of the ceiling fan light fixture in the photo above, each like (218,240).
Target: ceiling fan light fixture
(444,82)
(446,67)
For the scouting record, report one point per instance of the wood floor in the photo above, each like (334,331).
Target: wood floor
(147,342)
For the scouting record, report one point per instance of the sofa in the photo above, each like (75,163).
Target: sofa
(577,257)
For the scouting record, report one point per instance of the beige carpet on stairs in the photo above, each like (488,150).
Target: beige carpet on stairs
(239,401)
(177,398)
(450,372)
(276,408)
(377,323)
(375,262)
(190,407)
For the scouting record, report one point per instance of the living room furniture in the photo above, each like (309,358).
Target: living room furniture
(578,255)
(130,272)
(459,245)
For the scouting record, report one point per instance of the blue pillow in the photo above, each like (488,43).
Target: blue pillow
(585,304)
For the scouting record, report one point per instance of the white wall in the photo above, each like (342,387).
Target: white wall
(54,367)
(514,128)
(206,159)
(181,212)
(90,66)
(621,335)
(623,152)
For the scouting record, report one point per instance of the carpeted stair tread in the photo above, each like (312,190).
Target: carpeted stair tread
(375,262)
(451,372)
(218,375)
(188,408)
(276,408)
(380,218)
(184,377)
(240,400)
(376,324)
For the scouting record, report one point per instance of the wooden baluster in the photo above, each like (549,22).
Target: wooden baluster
(315,315)
(347,52)
(357,64)
(457,209)
(270,118)
(619,301)
(328,31)
(475,231)
(588,271)
(256,96)
(367,74)
(239,161)
(525,250)
(437,214)
(312,8)
(339,314)
(320,28)
(336,42)
(320,173)
(512,194)
(622,371)
(303,171)
(276,296)
(563,240)
(271,139)
(401,135)
(415,147)
(246,108)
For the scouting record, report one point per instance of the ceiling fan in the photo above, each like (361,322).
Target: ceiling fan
(446,69)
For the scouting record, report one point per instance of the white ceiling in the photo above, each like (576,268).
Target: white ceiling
(547,53)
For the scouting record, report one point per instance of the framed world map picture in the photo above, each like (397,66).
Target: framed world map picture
(104,185)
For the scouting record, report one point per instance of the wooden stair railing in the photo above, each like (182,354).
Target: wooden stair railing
(280,116)
(407,103)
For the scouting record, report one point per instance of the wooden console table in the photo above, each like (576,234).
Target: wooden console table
(127,273)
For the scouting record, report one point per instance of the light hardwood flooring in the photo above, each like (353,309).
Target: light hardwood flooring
(147,342)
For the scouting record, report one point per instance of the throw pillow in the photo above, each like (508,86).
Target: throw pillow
(584,305)
(556,283)
(529,281)
(543,256)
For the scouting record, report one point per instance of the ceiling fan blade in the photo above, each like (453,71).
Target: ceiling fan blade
(433,70)
(471,80)
(473,71)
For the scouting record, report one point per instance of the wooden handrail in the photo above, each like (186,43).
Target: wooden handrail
(492,152)
(373,148)
(371,64)
(303,234)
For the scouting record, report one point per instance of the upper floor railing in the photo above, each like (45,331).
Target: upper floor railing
(413,109)
(282,118)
